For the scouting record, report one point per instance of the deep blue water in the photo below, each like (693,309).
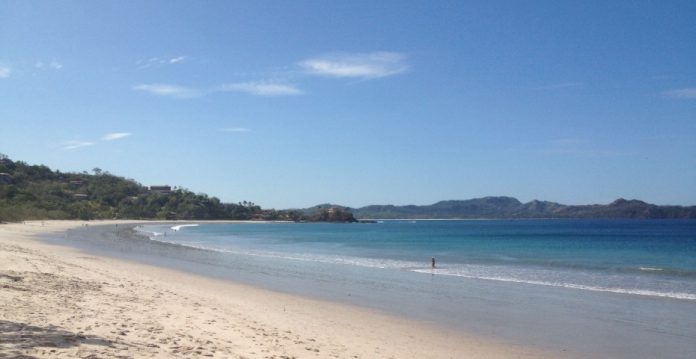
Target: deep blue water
(634,257)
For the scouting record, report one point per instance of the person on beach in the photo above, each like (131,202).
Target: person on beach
(433,262)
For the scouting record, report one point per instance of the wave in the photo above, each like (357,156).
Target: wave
(179,227)
(152,234)
(499,273)
(147,232)
(642,292)
(380,263)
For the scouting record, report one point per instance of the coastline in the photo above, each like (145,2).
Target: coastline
(63,302)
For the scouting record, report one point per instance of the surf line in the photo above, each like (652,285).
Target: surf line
(177,228)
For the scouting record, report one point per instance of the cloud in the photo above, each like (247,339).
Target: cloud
(5,72)
(562,85)
(74,144)
(177,59)
(168,90)
(262,88)
(53,65)
(361,65)
(685,93)
(71,145)
(115,136)
(236,129)
(160,61)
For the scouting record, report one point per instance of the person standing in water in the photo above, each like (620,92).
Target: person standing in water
(433,262)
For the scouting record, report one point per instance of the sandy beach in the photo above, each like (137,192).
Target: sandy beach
(61,302)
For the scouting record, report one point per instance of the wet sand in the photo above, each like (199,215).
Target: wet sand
(57,301)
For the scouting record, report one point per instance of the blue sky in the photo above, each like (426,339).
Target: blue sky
(296,103)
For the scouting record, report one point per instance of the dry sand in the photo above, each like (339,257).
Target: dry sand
(60,302)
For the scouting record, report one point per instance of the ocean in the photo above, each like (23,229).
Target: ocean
(651,258)
(606,288)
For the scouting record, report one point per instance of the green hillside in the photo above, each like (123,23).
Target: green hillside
(37,192)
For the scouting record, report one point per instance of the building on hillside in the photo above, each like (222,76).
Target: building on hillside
(159,189)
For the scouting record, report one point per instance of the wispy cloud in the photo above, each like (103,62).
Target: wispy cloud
(559,86)
(160,61)
(685,93)
(262,88)
(177,59)
(52,65)
(362,65)
(168,90)
(74,144)
(115,136)
(254,88)
(71,145)
(235,129)
(5,72)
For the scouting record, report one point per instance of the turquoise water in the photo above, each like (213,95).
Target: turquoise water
(579,288)
(634,257)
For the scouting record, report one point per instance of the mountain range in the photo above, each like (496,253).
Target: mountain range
(508,207)
(37,192)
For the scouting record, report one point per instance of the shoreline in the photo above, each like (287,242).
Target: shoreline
(79,304)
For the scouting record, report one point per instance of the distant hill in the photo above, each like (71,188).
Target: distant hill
(508,207)
(37,192)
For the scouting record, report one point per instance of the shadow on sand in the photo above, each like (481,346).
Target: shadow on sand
(18,338)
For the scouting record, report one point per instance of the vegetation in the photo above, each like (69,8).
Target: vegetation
(37,192)
(330,214)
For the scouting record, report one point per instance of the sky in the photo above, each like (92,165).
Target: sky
(295,103)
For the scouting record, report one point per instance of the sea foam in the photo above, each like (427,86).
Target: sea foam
(642,292)
(179,227)
(502,262)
